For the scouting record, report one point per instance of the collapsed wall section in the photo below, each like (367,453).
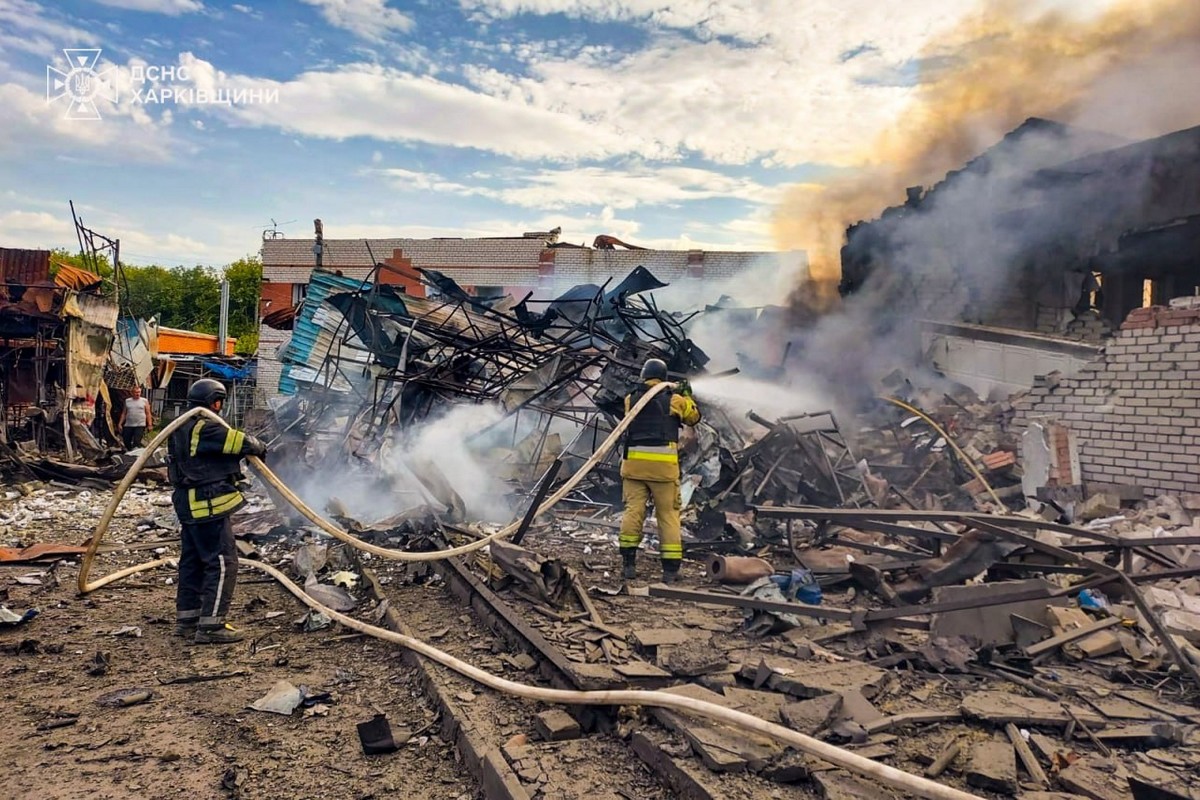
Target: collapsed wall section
(1134,411)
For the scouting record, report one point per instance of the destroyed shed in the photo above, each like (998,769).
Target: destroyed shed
(57,324)
(1051,237)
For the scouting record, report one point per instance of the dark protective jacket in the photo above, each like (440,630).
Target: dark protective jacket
(652,439)
(204,465)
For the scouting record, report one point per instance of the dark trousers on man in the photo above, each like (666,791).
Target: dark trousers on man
(132,436)
(208,563)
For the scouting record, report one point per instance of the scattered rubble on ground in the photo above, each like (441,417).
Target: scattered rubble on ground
(897,579)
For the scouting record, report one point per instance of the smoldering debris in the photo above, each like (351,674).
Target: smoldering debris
(401,388)
(446,409)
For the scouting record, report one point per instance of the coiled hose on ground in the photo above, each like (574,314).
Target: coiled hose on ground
(837,756)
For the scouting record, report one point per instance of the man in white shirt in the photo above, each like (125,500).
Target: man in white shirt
(136,417)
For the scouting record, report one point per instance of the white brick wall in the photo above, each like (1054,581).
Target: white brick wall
(1135,411)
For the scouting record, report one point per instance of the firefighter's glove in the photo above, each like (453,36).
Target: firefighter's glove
(255,447)
(684,388)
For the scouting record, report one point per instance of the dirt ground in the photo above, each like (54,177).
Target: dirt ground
(200,739)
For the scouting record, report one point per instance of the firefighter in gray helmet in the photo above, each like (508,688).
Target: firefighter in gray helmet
(650,470)
(204,466)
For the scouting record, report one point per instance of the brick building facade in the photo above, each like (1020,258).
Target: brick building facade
(1135,411)
(516,266)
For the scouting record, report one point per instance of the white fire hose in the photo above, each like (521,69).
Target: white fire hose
(837,756)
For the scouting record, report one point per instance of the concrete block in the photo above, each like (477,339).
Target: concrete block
(556,725)
(991,625)
(1098,506)
(993,766)
(811,716)
(1183,623)
(1085,779)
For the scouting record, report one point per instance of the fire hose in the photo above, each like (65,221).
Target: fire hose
(950,441)
(832,754)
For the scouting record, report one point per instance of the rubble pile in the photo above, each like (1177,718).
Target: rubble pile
(368,368)
(926,468)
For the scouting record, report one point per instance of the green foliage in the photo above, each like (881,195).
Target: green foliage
(102,267)
(247,343)
(187,297)
(245,283)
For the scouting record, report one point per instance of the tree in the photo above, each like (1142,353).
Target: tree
(245,288)
(187,297)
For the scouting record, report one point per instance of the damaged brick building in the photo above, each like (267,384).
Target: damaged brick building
(1056,253)
(1134,411)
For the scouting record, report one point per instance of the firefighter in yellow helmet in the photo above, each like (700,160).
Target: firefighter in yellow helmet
(650,470)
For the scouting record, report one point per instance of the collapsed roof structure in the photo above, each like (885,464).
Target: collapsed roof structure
(364,357)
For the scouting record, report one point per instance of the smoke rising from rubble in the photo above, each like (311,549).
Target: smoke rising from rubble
(1121,69)
(730,342)
(391,486)
(448,442)
(768,280)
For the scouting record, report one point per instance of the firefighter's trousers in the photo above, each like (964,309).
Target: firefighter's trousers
(667,504)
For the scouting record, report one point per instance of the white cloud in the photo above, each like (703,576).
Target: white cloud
(619,188)
(25,27)
(36,230)
(125,132)
(368,19)
(242,9)
(169,7)
(780,93)
(732,81)
(45,230)
(392,105)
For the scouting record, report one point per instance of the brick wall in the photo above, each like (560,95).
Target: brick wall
(1135,411)
(270,368)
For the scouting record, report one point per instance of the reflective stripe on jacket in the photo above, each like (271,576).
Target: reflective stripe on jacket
(205,467)
(668,453)
(658,462)
(202,507)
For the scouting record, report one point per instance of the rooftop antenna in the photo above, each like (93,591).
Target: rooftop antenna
(273,232)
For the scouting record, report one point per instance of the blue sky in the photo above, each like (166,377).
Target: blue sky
(670,124)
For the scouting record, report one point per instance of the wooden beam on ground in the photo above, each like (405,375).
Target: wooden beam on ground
(1055,642)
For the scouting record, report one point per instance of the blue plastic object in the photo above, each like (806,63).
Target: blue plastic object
(1092,600)
(800,586)
(804,587)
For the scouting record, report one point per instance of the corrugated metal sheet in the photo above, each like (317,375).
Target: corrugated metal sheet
(99,311)
(24,267)
(306,331)
(78,279)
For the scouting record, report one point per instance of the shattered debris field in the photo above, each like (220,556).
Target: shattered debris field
(913,594)
(194,736)
(983,666)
